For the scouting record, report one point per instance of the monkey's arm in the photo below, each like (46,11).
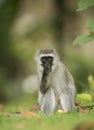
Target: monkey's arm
(43,84)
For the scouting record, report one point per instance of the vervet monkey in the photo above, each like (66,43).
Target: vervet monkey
(56,85)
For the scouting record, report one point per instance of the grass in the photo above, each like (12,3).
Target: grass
(58,121)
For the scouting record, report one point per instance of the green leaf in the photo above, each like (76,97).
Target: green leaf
(83,39)
(84,96)
(84,4)
(90,25)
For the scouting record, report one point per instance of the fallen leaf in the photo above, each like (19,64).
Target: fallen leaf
(81,110)
(77,103)
(29,114)
(17,114)
(34,108)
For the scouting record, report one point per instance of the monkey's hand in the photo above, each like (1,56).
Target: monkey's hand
(43,86)
(47,70)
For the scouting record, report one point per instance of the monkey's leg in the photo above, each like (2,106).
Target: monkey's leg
(67,101)
(48,102)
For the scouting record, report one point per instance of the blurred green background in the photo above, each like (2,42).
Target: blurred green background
(28,25)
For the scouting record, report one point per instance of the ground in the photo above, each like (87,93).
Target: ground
(11,117)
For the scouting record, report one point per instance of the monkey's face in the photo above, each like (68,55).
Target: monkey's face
(47,62)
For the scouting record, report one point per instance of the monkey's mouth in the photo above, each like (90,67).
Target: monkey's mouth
(47,69)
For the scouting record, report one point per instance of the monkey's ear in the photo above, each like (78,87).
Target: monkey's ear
(56,56)
(37,57)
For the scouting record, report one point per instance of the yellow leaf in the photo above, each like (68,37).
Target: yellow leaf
(61,111)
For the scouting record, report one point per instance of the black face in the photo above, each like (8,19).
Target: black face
(47,63)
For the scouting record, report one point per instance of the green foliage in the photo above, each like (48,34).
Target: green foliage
(90,25)
(83,39)
(91,85)
(79,69)
(85,99)
(84,4)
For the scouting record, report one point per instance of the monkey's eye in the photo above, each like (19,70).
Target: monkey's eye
(50,58)
(43,59)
